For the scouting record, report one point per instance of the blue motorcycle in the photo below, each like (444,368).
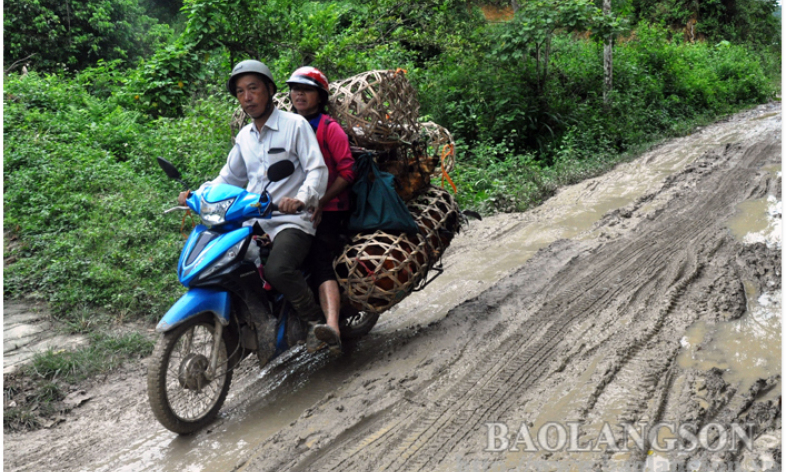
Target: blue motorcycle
(229,310)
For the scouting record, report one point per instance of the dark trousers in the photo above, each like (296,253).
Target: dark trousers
(328,243)
(284,272)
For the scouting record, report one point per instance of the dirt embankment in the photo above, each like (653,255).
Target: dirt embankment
(605,328)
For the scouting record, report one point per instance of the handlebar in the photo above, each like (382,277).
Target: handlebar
(183,208)
(273,208)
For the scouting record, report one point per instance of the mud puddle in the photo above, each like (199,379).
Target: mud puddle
(746,350)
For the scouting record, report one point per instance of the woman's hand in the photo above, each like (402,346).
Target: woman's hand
(316,217)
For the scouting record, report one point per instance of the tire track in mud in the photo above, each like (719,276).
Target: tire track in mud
(641,374)
(688,270)
(648,271)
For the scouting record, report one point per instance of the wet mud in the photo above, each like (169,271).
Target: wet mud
(554,340)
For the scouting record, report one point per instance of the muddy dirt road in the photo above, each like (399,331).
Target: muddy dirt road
(632,322)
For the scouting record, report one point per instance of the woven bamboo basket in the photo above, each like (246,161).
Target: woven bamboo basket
(441,147)
(282,101)
(377,109)
(238,120)
(437,215)
(378,270)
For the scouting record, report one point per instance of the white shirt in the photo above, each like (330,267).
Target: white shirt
(284,136)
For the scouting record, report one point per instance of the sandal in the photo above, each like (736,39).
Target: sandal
(313,343)
(328,335)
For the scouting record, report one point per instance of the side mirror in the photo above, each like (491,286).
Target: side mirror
(280,170)
(170,170)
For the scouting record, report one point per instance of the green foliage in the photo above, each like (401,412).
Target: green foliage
(495,98)
(166,11)
(341,38)
(83,191)
(490,101)
(749,21)
(492,178)
(68,35)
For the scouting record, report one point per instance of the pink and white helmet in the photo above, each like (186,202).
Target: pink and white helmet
(309,76)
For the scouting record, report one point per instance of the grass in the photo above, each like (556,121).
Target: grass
(518,183)
(103,354)
(34,395)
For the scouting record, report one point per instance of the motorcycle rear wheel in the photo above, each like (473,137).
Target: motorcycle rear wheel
(183,398)
(355,324)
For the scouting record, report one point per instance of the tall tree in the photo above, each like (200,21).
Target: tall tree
(608,67)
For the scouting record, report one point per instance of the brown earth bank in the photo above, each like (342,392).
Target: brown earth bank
(554,341)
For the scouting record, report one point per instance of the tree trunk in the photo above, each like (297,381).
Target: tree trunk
(607,60)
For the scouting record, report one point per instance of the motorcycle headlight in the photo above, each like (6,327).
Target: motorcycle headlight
(226,259)
(213,214)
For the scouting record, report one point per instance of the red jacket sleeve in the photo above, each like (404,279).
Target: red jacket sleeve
(338,143)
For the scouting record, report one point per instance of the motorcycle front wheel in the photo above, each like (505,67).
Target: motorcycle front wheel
(184,395)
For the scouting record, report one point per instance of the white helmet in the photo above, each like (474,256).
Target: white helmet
(249,66)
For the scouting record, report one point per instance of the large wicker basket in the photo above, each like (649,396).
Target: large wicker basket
(437,215)
(376,271)
(377,109)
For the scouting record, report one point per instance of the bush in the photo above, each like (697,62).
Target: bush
(89,211)
(513,139)
(74,35)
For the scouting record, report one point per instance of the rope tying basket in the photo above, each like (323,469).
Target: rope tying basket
(437,137)
(378,270)
(377,109)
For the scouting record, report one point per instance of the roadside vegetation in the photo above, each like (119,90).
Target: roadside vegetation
(36,393)
(93,94)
